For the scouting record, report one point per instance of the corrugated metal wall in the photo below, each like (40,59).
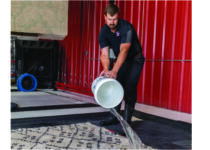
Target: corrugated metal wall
(80,63)
(164,29)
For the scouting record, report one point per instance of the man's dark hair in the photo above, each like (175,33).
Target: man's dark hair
(111,9)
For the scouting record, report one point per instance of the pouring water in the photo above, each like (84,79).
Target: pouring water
(108,93)
(134,140)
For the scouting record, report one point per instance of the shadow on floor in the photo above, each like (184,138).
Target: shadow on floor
(159,133)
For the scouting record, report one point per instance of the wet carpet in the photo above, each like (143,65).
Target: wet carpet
(73,136)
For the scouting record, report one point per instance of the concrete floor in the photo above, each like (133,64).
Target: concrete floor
(44,108)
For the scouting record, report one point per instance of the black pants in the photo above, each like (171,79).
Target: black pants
(128,75)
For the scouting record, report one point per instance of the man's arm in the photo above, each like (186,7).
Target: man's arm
(120,59)
(105,60)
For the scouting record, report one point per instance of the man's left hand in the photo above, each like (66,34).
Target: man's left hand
(112,74)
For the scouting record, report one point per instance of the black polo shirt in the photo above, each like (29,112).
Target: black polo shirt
(125,33)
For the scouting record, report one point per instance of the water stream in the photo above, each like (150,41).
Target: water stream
(134,140)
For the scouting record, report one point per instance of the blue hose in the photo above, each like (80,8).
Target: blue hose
(26,82)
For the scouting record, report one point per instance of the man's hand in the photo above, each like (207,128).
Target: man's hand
(104,73)
(109,74)
(113,74)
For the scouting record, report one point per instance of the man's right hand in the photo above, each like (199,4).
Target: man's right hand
(104,73)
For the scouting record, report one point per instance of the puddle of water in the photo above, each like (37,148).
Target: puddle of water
(134,140)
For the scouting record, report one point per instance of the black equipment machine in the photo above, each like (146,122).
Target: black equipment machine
(39,58)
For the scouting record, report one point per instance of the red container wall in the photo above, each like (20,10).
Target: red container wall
(164,30)
(80,59)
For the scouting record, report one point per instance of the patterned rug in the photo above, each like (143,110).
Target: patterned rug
(75,136)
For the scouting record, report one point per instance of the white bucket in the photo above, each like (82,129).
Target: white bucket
(107,92)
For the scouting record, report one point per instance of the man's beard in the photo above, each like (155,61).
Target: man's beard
(113,26)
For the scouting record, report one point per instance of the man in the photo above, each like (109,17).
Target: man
(121,36)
